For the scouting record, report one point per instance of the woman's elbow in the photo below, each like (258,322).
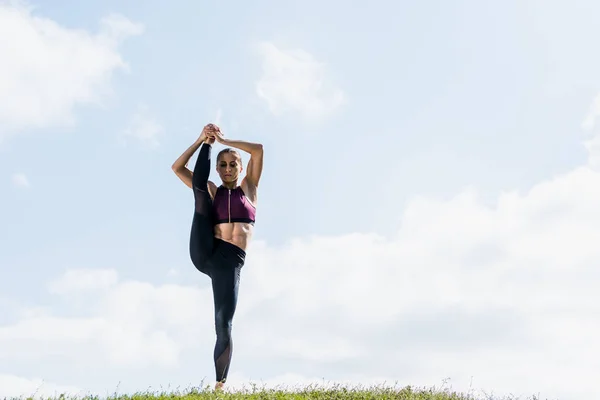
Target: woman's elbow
(176,167)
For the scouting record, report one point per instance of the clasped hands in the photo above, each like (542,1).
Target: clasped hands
(210,133)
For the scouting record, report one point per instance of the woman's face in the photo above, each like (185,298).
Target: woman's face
(229,167)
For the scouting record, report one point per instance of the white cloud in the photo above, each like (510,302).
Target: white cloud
(20,180)
(48,69)
(124,325)
(83,280)
(589,121)
(12,386)
(144,128)
(294,81)
(592,145)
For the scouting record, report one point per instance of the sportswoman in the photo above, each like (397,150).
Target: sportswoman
(222,226)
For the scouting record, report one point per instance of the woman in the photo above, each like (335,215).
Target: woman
(222,226)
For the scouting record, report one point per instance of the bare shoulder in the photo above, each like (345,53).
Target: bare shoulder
(250,190)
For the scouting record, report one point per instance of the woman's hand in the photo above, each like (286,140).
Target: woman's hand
(219,137)
(208,134)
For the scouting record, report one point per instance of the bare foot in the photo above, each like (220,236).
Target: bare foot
(219,385)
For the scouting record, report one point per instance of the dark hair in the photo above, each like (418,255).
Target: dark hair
(229,150)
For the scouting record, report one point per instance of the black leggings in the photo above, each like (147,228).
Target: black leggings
(220,260)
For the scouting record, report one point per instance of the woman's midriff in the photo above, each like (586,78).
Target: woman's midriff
(236,233)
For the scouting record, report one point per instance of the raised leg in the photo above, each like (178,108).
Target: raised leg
(202,234)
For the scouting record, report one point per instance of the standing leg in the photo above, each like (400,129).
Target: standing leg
(225,283)
(202,234)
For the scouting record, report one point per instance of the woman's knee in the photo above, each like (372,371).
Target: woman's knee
(200,264)
(200,255)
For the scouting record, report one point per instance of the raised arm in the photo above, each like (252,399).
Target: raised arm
(255,164)
(180,165)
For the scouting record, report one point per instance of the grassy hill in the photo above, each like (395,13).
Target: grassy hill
(308,392)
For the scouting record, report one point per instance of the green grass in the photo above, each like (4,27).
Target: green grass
(313,392)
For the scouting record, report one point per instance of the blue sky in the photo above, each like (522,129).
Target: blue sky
(430,157)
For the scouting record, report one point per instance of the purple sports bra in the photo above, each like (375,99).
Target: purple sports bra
(232,205)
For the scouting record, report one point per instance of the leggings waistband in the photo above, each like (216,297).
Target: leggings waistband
(225,247)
